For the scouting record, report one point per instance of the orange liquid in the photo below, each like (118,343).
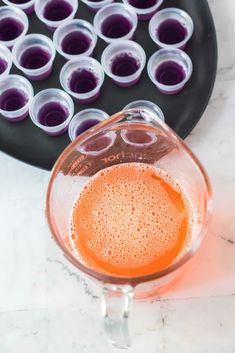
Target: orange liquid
(130,220)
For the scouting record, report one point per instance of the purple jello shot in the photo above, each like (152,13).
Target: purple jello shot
(123,61)
(14,25)
(55,12)
(84,120)
(95,5)
(51,110)
(144,9)
(25,5)
(34,55)
(115,21)
(5,61)
(170,70)
(16,94)
(75,38)
(171,28)
(82,78)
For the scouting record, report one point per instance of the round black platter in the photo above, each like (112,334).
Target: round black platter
(28,143)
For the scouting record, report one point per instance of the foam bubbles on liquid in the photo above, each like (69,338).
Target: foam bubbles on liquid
(131,219)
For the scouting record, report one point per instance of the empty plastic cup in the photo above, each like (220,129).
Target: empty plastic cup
(145,104)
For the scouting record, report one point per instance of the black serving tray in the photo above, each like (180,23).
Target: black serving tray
(28,143)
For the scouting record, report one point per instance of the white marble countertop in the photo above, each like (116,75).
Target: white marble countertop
(46,306)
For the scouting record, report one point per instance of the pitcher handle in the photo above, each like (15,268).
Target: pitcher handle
(116,304)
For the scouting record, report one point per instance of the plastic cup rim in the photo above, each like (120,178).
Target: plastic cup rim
(128,78)
(176,45)
(153,137)
(38,71)
(81,118)
(23,7)
(8,60)
(56,127)
(24,21)
(87,95)
(94,5)
(170,88)
(126,36)
(87,24)
(111,134)
(144,11)
(155,107)
(55,24)
(30,93)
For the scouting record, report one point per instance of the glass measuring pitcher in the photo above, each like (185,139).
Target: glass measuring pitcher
(135,135)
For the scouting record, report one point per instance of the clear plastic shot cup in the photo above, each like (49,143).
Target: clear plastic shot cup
(16,94)
(145,104)
(99,145)
(51,110)
(123,61)
(171,27)
(94,6)
(144,9)
(115,21)
(140,138)
(75,38)
(55,12)
(5,61)
(25,5)
(14,25)
(82,78)
(34,55)
(170,70)
(84,120)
